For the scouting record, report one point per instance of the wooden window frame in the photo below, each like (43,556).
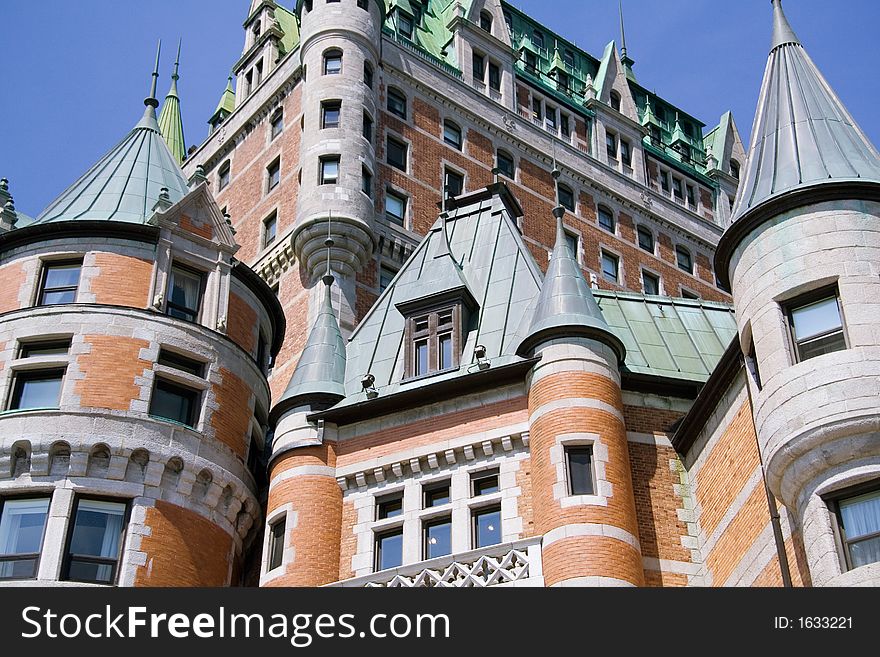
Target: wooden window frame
(45,267)
(432,334)
(833,500)
(806,299)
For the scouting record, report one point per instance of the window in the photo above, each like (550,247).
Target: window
(95,541)
(538,39)
(579,463)
(436,494)
(691,196)
(486,21)
(270,228)
(22,525)
(566,197)
(330,111)
(479,66)
(52,348)
(676,189)
(223,176)
(59,282)
(404,25)
(568,58)
(333,62)
(551,118)
(277,533)
(438,537)
(611,145)
(562,81)
(565,125)
(494,76)
(368,128)
(366,182)
(650,283)
(610,265)
(625,153)
(273,175)
(454,183)
(734,169)
(174,402)
(396,153)
(664,181)
(615,101)
(505,165)
(859,520)
(389,507)
(368,74)
(531,62)
(687,294)
(329,170)
(395,207)
(816,324)
(184,294)
(684,260)
(452,134)
(646,239)
(36,389)
(386,275)
(485,483)
(397,103)
(433,342)
(364,4)
(487,526)
(179,362)
(606,218)
(537,109)
(572,241)
(389,549)
(277,123)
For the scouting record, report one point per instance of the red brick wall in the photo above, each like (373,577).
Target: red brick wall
(232,417)
(11,279)
(122,280)
(109,371)
(202,229)
(184,549)
(242,324)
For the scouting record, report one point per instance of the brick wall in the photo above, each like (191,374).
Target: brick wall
(232,416)
(242,323)
(109,371)
(11,279)
(183,549)
(122,280)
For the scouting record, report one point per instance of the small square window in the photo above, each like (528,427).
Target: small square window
(330,112)
(22,525)
(395,207)
(59,282)
(454,185)
(568,57)
(606,218)
(273,175)
(431,340)
(610,265)
(329,170)
(579,462)
(650,283)
(277,534)
(566,197)
(646,239)
(396,153)
(390,506)
(816,324)
(438,538)
(683,259)
(452,134)
(95,541)
(437,494)
(538,39)
(34,389)
(397,103)
(270,229)
(389,549)
(386,275)
(174,402)
(184,294)
(505,164)
(485,483)
(487,526)
(404,25)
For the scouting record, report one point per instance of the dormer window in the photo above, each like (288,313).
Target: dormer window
(433,341)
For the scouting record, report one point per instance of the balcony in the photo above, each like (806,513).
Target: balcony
(506,564)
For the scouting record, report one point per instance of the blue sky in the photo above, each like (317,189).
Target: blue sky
(75,73)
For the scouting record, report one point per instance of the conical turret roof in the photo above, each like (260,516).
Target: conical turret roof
(803,135)
(170,121)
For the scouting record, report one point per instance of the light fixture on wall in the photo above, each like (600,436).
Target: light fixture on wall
(368,383)
(480,355)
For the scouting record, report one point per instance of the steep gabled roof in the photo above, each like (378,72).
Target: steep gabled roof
(803,136)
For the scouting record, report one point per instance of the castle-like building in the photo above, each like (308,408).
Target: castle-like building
(444,300)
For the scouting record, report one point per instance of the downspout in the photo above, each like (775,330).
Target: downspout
(784,568)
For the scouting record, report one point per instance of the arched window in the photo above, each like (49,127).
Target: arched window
(333,62)
(615,101)
(452,134)
(684,260)
(606,218)
(486,21)
(397,103)
(566,197)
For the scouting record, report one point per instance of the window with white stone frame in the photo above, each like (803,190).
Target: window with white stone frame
(95,539)
(857,512)
(579,460)
(278,550)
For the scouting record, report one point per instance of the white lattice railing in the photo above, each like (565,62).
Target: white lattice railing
(507,563)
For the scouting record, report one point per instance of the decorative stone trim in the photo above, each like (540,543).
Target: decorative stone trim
(603,487)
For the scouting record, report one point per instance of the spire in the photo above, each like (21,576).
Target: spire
(566,306)
(226,105)
(170,121)
(803,136)
(624,57)
(782,32)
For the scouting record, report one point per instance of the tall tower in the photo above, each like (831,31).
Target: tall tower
(803,257)
(340,56)
(588,525)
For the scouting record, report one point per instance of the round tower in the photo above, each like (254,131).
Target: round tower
(582,485)
(802,256)
(340,56)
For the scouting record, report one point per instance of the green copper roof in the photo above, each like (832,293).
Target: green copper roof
(803,135)
(665,337)
(321,367)
(170,121)
(566,305)
(289,25)
(227,102)
(124,185)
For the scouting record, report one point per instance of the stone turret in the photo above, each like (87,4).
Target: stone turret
(801,255)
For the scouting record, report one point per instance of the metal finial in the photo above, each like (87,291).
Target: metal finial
(328,277)
(151,101)
(175,76)
(622,31)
